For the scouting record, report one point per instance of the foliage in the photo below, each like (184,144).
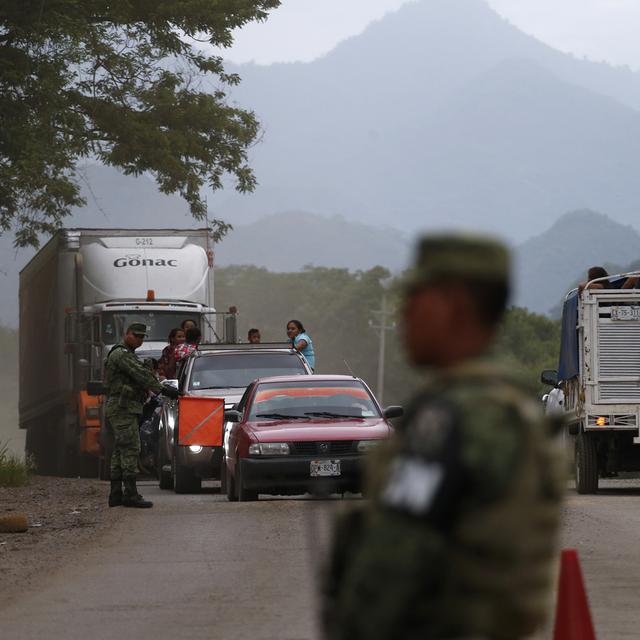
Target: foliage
(126,82)
(531,343)
(9,390)
(336,306)
(14,472)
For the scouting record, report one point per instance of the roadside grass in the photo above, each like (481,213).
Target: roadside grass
(14,472)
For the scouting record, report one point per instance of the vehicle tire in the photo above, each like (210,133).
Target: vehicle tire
(184,480)
(106,449)
(165,478)
(244,494)
(223,476)
(586,463)
(230,485)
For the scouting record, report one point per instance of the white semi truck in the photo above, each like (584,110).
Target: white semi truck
(77,296)
(597,385)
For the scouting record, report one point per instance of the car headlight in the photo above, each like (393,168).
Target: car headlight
(195,448)
(269,449)
(367,445)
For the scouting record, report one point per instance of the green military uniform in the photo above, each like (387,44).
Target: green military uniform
(128,382)
(459,538)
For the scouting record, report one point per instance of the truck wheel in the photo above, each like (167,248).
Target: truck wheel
(586,466)
(165,479)
(244,494)
(184,480)
(230,485)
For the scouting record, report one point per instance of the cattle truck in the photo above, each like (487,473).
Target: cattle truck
(597,384)
(77,296)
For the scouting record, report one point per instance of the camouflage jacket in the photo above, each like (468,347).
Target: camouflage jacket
(459,537)
(128,381)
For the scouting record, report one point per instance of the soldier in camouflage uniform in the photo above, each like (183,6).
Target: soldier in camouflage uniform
(459,538)
(129,382)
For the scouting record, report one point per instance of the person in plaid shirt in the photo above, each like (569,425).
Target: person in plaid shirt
(184,350)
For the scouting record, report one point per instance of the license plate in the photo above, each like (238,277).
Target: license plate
(324,468)
(625,313)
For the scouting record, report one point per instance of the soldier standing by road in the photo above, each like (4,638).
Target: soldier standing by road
(129,382)
(459,538)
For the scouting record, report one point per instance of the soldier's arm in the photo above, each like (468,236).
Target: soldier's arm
(134,369)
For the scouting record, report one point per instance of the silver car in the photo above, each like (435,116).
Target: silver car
(217,371)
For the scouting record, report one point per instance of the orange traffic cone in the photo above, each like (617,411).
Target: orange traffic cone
(573,618)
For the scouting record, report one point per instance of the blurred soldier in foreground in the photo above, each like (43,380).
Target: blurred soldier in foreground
(459,538)
(129,382)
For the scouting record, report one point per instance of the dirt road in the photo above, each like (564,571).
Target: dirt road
(604,529)
(197,566)
(193,566)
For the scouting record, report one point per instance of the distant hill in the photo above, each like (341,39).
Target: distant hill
(444,114)
(290,241)
(548,264)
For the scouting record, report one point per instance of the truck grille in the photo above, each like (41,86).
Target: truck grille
(619,361)
(313,448)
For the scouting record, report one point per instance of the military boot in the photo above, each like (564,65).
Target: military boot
(115,495)
(131,496)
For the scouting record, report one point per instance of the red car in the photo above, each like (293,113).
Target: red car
(291,435)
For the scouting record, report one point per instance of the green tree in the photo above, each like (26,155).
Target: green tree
(122,81)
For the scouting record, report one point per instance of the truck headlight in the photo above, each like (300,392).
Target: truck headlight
(367,445)
(195,448)
(269,449)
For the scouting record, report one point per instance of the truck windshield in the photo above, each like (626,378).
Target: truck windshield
(238,370)
(159,323)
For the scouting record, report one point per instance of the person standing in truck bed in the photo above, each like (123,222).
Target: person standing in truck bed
(184,350)
(301,341)
(167,362)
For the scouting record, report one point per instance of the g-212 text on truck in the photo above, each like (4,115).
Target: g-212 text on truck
(597,385)
(77,296)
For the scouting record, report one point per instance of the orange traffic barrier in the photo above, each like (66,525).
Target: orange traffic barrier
(201,421)
(573,617)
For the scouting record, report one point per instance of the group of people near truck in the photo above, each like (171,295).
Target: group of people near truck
(184,340)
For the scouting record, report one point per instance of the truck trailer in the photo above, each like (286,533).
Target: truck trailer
(597,385)
(77,296)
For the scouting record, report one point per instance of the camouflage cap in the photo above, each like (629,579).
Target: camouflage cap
(138,329)
(470,257)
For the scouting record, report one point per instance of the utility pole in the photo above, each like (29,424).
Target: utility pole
(382,327)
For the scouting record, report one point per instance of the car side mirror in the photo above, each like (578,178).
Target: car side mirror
(170,383)
(550,377)
(393,411)
(96,388)
(232,415)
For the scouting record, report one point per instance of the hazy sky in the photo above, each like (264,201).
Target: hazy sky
(305,29)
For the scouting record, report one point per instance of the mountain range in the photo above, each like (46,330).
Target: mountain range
(442,114)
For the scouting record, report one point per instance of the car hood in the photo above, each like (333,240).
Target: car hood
(318,429)
(231,396)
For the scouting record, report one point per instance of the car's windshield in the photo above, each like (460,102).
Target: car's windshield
(238,370)
(159,323)
(319,399)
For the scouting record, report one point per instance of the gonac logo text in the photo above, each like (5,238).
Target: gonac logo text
(138,261)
